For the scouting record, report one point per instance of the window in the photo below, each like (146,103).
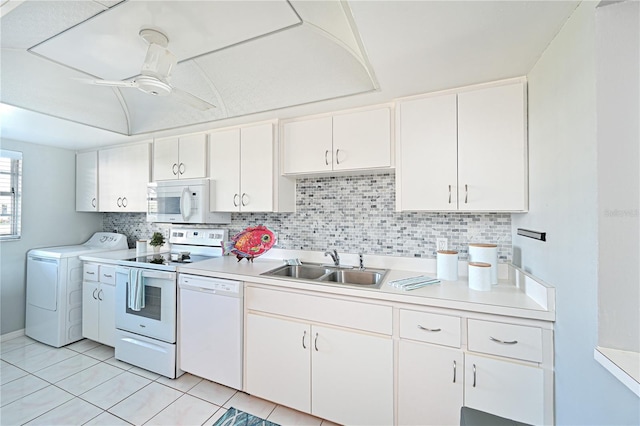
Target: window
(10,194)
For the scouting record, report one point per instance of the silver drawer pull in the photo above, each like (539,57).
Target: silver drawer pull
(434,330)
(90,273)
(510,342)
(107,275)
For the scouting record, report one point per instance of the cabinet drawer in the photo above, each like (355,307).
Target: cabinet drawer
(90,272)
(321,309)
(431,328)
(107,274)
(509,340)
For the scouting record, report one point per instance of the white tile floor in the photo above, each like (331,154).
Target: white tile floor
(83,384)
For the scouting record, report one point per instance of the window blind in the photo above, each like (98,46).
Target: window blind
(10,194)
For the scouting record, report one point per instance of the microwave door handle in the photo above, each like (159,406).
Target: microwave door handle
(185,204)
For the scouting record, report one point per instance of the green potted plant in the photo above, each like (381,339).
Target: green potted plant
(157,240)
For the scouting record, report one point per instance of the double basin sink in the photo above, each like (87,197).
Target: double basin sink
(367,278)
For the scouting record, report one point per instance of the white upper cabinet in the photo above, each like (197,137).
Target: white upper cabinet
(492,149)
(346,142)
(123,175)
(183,157)
(464,151)
(87,181)
(427,175)
(244,171)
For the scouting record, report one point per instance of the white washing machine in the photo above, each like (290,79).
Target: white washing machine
(54,288)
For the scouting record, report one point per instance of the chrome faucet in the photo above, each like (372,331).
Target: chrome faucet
(334,256)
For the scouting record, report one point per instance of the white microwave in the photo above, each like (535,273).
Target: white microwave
(182,201)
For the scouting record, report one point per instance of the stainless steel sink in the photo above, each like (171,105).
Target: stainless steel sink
(303,272)
(368,278)
(356,277)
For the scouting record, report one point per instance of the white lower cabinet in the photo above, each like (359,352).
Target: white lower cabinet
(430,384)
(339,374)
(505,388)
(278,361)
(98,303)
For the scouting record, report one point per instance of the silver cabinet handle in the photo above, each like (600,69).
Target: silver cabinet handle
(303,336)
(174,169)
(119,201)
(235,200)
(315,342)
(90,273)
(99,293)
(244,194)
(466,193)
(107,275)
(449,194)
(504,342)
(93,202)
(124,202)
(326,160)
(454,371)
(181,168)
(474,375)
(94,293)
(434,330)
(337,158)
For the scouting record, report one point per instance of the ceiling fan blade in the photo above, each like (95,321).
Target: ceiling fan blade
(114,83)
(190,99)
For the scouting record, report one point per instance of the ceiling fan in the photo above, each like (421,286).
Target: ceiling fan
(155,73)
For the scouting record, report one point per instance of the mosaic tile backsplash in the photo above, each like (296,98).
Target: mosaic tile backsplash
(353,214)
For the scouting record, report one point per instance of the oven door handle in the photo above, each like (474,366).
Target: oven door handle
(159,275)
(185,204)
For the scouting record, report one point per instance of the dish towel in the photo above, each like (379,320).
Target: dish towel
(136,290)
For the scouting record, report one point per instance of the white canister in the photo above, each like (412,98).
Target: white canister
(141,247)
(485,253)
(479,276)
(447,265)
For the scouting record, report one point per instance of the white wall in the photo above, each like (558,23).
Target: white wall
(563,203)
(618,72)
(48,219)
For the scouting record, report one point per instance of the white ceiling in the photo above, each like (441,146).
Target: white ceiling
(412,47)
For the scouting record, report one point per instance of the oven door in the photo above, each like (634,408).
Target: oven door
(155,313)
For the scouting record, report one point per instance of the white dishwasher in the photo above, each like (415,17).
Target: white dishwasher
(210,328)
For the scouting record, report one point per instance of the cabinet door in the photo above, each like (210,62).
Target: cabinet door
(224,170)
(430,384)
(352,377)
(492,149)
(135,170)
(362,140)
(109,180)
(256,168)
(90,311)
(107,326)
(87,181)
(504,388)
(165,159)
(427,154)
(123,178)
(278,361)
(193,156)
(307,146)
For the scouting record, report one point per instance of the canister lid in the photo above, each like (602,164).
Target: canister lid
(482,245)
(448,251)
(480,264)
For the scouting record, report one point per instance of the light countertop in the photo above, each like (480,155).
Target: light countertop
(509,297)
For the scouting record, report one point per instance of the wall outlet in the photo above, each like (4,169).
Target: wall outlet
(442,244)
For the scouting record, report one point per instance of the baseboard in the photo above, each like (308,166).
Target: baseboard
(12,335)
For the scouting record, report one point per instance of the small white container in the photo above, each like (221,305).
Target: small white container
(141,247)
(479,276)
(447,265)
(485,253)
